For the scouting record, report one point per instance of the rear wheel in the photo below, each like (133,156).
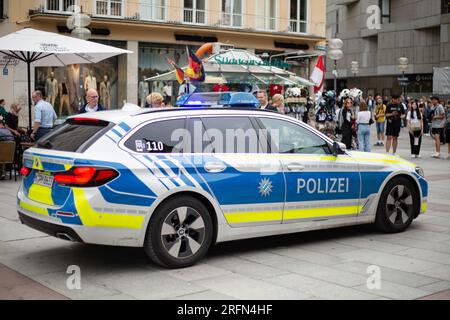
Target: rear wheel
(179,233)
(399,204)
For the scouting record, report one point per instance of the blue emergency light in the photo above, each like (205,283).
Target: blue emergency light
(218,100)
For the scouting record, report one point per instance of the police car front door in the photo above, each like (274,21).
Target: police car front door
(319,186)
(247,183)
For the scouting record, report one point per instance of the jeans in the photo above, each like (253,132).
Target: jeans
(364,137)
(380,127)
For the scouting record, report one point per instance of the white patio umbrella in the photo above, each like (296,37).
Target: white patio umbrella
(40,48)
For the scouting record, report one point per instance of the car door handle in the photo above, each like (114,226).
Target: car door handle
(215,167)
(295,167)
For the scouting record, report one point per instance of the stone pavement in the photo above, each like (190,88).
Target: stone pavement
(329,264)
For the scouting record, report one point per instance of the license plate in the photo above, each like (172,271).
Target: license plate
(44,180)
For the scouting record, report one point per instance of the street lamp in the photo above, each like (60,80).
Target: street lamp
(335,53)
(78,23)
(355,68)
(403,63)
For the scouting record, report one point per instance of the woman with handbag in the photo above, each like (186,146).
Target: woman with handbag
(415,126)
(364,121)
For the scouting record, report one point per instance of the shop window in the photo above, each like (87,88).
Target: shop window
(298,16)
(232,13)
(59,5)
(385,6)
(194,11)
(266,15)
(110,8)
(445,6)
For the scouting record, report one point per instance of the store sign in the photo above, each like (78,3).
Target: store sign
(8,61)
(244,62)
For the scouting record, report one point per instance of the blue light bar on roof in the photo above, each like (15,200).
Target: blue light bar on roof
(218,100)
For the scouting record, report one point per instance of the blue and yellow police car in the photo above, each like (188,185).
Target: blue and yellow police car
(176,181)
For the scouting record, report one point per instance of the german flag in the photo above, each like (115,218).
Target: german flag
(179,73)
(196,71)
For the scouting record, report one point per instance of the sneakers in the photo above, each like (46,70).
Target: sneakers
(436,155)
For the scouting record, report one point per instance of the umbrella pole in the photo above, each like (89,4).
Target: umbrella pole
(29,93)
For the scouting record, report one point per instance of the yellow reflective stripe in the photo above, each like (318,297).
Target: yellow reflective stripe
(424,207)
(321,212)
(33,208)
(40,194)
(247,217)
(92,218)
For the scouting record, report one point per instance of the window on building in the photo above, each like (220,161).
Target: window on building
(445,6)
(298,16)
(266,14)
(153,10)
(2,10)
(194,11)
(385,6)
(111,8)
(232,13)
(59,5)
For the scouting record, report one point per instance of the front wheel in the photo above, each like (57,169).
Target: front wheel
(179,233)
(399,204)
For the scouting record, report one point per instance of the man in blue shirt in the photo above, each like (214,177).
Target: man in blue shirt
(44,116)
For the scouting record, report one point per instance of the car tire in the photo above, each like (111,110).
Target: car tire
(398,206)
(179,233)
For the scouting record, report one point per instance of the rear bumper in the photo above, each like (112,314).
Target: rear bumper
(51,229)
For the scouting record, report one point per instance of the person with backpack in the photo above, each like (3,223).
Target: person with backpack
(415,127)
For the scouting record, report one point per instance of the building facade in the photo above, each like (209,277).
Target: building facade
(158,29)
(376,33)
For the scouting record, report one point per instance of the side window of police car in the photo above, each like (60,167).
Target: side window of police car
(288,137)
(231,135)
(158,137)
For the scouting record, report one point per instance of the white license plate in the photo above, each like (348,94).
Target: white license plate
(43,180)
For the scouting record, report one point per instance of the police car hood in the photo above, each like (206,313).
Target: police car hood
(372,158)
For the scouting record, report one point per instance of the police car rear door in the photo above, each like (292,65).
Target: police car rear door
(319,186)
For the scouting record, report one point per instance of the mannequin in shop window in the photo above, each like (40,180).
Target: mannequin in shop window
(51,88)
(143,91)
(90,82)
(105,93)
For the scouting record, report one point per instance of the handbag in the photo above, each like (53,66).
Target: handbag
(415,126)
(371,122)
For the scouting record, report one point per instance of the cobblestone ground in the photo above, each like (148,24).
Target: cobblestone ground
(330,264)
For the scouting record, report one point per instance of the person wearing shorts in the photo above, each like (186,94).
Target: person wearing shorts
(394,114)
(437,124)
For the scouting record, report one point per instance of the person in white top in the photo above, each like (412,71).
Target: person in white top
(415,126)
(364,121)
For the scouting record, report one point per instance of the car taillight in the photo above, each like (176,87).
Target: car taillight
(25,171)
(85,177)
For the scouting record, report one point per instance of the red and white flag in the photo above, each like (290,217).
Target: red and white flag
(318,75)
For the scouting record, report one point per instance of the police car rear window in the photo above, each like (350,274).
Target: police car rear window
(74,136)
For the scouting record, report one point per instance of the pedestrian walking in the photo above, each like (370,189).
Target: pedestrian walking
(347,119)
(92,104)
(371,103)
(44,116)
(380,113)
(447,130)
(364,121)
(394,115)
(437,124)
(414,120)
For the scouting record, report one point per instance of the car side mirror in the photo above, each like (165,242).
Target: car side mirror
(338,148)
